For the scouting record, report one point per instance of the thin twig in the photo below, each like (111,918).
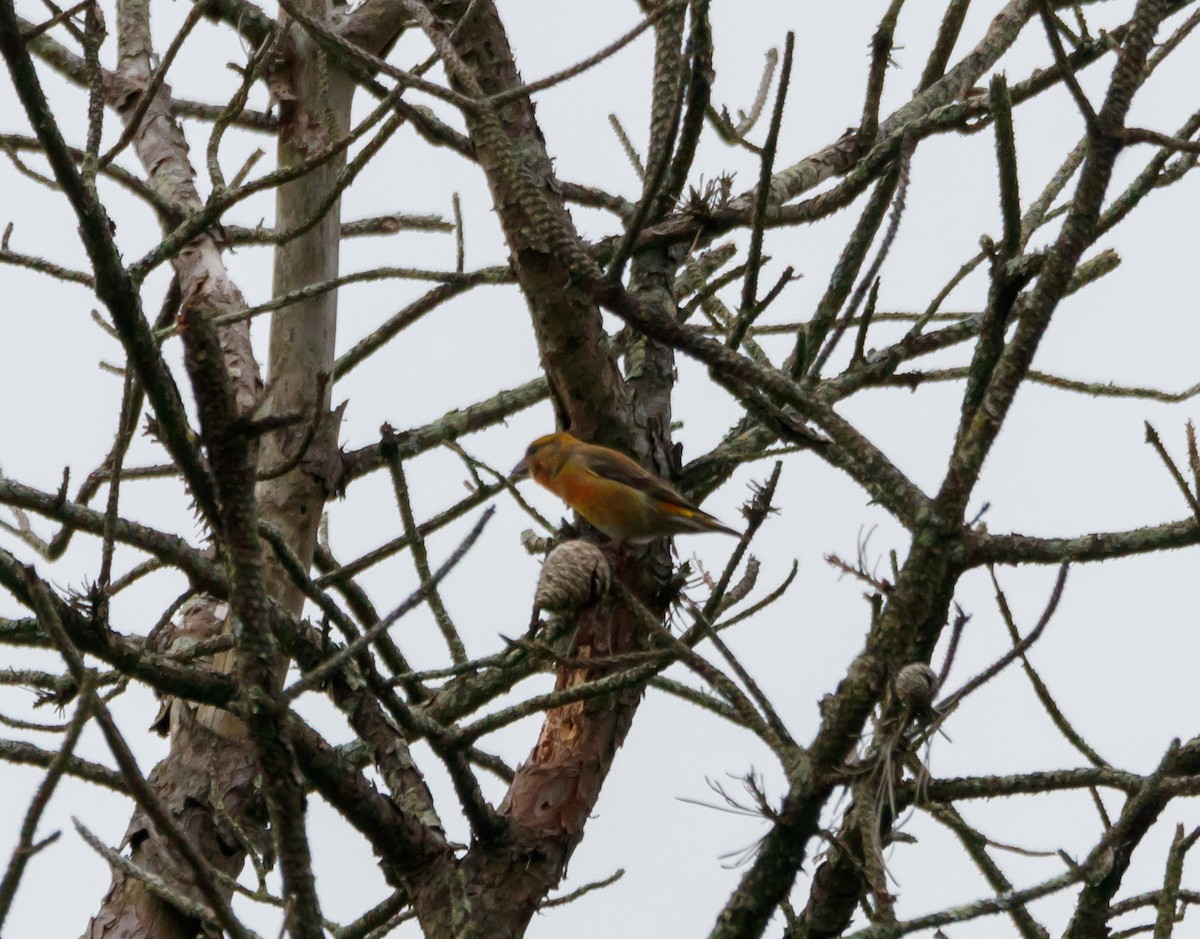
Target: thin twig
(1152,438)
(591,61)
(1017,650)
(1064,67)
(1043,693)
(441,615)
(750,307)
(35,31)
(26,848)
(314,677)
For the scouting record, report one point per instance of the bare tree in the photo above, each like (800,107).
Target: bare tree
(270,615)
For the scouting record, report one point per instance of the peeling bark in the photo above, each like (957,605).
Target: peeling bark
(207,743)
(213,746)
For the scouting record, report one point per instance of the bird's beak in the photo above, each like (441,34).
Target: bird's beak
(520,471)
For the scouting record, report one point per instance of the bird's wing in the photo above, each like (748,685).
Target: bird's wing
(609,464)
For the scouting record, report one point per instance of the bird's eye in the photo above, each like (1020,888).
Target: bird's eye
(532,449)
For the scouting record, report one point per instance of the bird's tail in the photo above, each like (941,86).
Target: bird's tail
(686,521)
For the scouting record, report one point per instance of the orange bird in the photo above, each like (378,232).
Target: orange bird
(611,491)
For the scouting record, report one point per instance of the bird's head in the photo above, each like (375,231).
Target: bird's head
(544,457)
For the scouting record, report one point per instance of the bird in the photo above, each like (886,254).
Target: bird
(618,497)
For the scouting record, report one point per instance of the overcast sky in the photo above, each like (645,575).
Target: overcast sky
(1119,655)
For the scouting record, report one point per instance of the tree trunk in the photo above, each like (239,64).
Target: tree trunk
(208,779)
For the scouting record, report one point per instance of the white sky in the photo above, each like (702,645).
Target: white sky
(1119,655)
